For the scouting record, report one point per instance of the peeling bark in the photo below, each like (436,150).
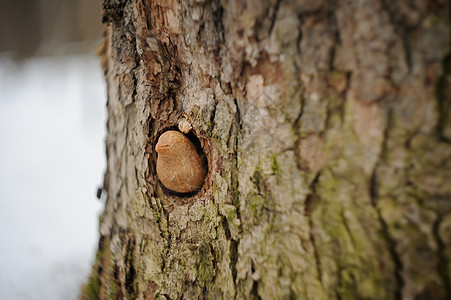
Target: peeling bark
(327,130)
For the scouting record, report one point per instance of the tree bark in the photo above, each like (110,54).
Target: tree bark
(326,126)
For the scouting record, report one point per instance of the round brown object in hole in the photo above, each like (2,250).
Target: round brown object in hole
(179,167)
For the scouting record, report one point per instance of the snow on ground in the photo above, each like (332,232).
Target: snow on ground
(51,163)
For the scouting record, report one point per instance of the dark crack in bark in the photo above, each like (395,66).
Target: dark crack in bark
(443,98)
(308,213)
(130,271)
(443,263)
(274,17)
(390,241)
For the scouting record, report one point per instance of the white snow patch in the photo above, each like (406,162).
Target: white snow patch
(51,163)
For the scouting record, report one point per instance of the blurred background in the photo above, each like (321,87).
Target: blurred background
(52,128)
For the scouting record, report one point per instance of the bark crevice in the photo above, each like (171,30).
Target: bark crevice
(308,212)
(374,194)
(443,261)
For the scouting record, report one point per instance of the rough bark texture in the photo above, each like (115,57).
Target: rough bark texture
(327,129)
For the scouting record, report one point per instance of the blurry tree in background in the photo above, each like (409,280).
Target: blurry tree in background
(327,129)
(42,27)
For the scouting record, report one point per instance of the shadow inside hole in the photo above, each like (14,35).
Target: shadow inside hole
(177,194)
(196,142)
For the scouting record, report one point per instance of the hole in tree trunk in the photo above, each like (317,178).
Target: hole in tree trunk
(198,145)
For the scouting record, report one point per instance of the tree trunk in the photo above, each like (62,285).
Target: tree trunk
(327,129)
